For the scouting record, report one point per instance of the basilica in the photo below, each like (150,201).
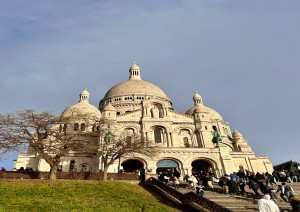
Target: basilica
(198,140)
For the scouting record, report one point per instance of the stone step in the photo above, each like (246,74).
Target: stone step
(241,203)
(238,203)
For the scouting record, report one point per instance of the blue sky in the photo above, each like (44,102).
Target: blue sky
(241,56)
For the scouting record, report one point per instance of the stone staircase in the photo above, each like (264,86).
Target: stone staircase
(238,203)
(215,200)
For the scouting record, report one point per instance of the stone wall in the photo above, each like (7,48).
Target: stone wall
(68,175)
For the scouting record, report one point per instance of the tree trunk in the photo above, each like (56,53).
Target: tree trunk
(105,172)
(53,172)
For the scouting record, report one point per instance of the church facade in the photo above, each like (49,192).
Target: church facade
(198,140)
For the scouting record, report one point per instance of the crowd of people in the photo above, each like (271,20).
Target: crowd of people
(260,183)
(195,182)
(266,186)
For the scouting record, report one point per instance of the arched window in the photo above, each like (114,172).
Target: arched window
(226,131)
(128,135)
(72,166)
(158,135)
(76,127)
(65,127)
(82,126)
(128,139)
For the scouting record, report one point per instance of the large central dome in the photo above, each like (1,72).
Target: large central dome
(132,91)
(137,87)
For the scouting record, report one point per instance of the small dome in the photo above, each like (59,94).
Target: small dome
(134,67)
(196,96)
(109,107)
(85,92)
(200,109)
(212,113)
(236,134)
(82,108)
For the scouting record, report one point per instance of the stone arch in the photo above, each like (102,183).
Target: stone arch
(133,164)
(166,126)
(179,167)
(85,167)
(228,145)
(159,134)
(185,137)
(130,131)
(133,129)
(162,103)
(203,166)
(189,128)
(210,162)
(157,110)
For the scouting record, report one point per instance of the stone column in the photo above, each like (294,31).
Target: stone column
(187,170)
(175,143)
(172,140)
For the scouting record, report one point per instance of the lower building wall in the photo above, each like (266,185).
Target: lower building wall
(253,164)
(68,175)
(26,161)
(43,166)
(223,162)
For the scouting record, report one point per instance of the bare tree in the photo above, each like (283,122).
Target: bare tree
(113,148)
(6,146)
(47,135)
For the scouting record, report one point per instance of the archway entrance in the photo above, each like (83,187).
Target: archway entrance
(132,165)
(201,165)
(166,166)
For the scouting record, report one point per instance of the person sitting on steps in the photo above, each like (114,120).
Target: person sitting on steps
(286,192)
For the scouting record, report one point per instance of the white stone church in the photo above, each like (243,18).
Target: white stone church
(139,107)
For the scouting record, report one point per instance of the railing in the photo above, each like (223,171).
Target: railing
(187,198)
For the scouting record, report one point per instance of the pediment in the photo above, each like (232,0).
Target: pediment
(133,115)
(177,116)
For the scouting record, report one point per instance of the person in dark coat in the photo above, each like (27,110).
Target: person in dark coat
(242,183)
(274,174)
(270,179)
(255,187)
(224,182)
(262,185)
(233,186)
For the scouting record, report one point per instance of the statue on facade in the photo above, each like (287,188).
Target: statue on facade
(155,112)
(108,138)
(216,137)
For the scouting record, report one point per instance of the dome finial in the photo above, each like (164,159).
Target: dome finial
(135,72)
(84,96)
(197,99)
